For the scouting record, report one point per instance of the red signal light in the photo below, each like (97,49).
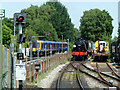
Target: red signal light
(29,38)
(48,34)
(21,18)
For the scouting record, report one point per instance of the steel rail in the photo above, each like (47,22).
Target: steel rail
(101,73)
(60,76)
(95,77)
(98,69)
(113,70)
(78,79)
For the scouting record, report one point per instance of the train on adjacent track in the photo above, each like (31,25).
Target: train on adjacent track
(99,50)
(115,50)
(42,46)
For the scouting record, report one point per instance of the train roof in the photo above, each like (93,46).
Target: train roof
(52,42)
(102,41)
(113,43)
(118,41)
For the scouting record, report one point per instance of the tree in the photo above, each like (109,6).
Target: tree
(7,33)
(9,23)
(96,25)
(119,31)
(39,23)
(61,21)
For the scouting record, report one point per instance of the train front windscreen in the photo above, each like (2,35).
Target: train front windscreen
(34,44)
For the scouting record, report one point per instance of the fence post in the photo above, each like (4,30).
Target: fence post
(9,68)
(3,64)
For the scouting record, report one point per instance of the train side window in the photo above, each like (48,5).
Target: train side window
(42,46)
(54,46)
(47,45)
(60,45)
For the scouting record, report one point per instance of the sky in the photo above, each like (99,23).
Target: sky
(75,8)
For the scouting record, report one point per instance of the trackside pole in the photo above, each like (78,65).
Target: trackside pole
(20,51)
(1,54)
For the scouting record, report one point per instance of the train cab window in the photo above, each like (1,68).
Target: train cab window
(38,45)
(106,44)
(103,44)
(113,49)
(34,44)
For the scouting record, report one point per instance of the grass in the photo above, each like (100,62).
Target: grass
(119,70)
(68,59)
(80,74)
(109,61)
(91,60)
(63,62)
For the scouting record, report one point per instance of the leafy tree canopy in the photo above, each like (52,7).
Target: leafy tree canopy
(96,25)
(7,34)
(50,17)
(119,31)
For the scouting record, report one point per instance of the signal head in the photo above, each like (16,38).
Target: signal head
(20,19)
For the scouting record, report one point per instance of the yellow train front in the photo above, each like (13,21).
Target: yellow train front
(101,51)
(48,46)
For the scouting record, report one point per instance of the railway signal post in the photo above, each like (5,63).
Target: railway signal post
(20,19)
(2,15)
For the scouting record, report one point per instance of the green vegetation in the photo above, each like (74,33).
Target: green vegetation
(7,34)
(63,62)
(96,25)
(50,17)
(53,17)
(109,61)
(43,75)
(119,30)
(68,59)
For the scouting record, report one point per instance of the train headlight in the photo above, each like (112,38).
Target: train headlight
(74,45)
(79,45)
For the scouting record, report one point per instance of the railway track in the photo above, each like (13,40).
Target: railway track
(101,72)
(69,78)
(115,80)
(105,78)
(94,76)
(113,71)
